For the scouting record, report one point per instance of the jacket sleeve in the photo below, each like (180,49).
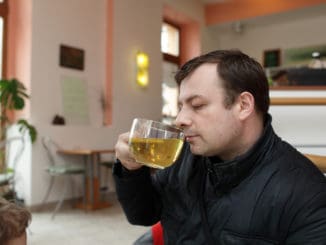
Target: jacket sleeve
(136,193)
(309,225)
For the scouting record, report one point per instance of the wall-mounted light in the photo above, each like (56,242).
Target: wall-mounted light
(142,69)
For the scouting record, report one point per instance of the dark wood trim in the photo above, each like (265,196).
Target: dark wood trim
(298,101)
(172,23)
(171,58)
(298,87)
(4,8)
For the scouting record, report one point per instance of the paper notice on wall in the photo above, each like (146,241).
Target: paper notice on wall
(75,101)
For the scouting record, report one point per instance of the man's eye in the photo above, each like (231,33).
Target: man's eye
(197,106)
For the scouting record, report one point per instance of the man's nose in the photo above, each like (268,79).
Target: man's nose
(182,120)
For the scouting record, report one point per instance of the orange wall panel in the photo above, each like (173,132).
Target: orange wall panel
(109,65)
(234,10)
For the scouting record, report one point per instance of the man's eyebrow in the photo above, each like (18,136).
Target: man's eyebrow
(189,99)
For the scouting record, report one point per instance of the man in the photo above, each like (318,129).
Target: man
(236,181)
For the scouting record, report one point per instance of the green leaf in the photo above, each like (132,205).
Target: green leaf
(12,97)
(12,94)
(24,125)
(10,170)
(19,103)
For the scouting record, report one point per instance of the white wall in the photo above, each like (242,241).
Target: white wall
(287,30)
(82,23)
(300,125)
(136,26)
(193,9)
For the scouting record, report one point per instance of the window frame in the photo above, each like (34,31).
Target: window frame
(172,59)
(4,14)
(169,57)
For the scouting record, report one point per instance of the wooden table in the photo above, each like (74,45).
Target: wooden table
(92,166)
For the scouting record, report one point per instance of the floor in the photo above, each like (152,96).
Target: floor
(76,227)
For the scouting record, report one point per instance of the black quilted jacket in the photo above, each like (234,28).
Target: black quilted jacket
(270,195)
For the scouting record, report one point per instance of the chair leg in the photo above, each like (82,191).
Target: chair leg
(72,185)
(85,191)
(59,204)
(105,187)
(47,192)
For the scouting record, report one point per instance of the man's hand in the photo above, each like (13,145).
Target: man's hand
(123,153)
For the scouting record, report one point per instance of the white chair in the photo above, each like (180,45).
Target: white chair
(13,148)
(65,171)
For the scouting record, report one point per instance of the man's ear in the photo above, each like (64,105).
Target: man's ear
(246,105)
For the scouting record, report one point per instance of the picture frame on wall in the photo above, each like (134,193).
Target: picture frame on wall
(71,57)
(302,67)
(272,58)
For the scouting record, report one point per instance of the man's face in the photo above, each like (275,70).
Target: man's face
(210,128)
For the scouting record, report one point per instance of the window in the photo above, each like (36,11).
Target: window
(169,90)
(1,44)
(3,16)
(170,47)
(170,39)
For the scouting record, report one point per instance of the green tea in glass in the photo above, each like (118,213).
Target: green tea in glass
(155,144)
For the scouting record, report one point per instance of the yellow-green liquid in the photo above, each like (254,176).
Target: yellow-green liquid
(156,153)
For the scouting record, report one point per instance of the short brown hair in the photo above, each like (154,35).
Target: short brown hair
(239,73)
(14,220)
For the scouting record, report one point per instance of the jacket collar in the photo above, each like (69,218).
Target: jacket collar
(224,175)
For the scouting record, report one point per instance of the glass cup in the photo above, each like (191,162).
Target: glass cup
(155,144)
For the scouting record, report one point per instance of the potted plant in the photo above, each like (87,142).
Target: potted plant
(12,98)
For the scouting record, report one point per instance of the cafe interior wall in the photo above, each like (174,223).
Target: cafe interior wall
(136,26)
(303,126)
(83,24)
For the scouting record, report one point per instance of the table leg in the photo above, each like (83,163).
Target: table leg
(97,184)
(85,182)
(91,179)
(98,174)
(93,200)
(88,198)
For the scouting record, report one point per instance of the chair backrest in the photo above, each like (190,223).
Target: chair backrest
(14,148)
(318,160)
(51,149)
